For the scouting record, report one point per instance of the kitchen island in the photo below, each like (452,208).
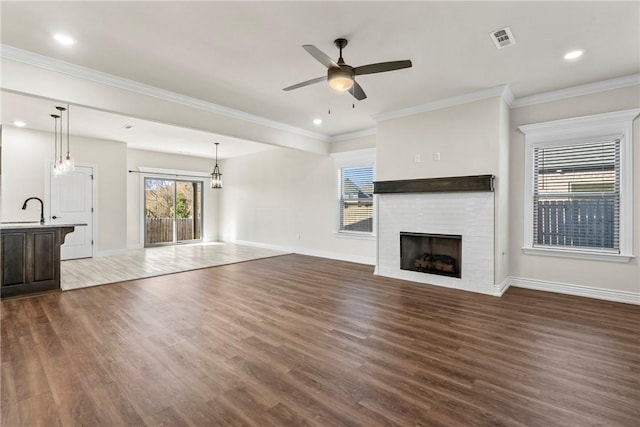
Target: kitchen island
(31,256)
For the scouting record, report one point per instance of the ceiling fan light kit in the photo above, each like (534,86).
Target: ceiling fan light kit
(341,76)
(340,79)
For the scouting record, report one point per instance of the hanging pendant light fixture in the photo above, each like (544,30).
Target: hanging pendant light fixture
(69,163)
(62,167)
(216,176)
(56,169)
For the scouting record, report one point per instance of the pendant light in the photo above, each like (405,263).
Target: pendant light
(216,176)
(56,169)
(69,163)
(60,162)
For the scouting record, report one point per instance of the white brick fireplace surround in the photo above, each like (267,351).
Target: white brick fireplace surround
(469,214)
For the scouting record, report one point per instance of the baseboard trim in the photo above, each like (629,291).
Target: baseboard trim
(136,246)
(502,287)
(577,290)
(111,252)
(311,252)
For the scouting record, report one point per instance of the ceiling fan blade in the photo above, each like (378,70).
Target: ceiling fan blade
(382,67)
(320,56)
(307,83)
(357,92)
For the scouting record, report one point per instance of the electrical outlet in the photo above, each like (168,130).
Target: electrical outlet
(436,156)
(298,236)
(416,158)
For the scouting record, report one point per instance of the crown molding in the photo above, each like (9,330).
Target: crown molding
(613,122)
(353,135)
(556,95)
(37,60)
(507,95)
(501,91)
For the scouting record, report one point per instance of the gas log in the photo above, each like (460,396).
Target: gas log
(436,262)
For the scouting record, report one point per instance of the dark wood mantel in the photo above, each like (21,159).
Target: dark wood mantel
(436,185)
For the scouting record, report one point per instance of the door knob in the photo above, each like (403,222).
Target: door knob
(55,217)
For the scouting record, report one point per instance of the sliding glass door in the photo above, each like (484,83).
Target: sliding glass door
(173,211)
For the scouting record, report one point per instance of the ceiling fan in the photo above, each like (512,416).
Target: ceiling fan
(341,76)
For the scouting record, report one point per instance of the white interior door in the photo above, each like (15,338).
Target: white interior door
(72,202)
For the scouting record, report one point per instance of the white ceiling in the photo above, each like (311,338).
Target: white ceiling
(144,135)
(241,54)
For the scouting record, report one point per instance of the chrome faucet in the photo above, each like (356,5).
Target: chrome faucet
(24,206)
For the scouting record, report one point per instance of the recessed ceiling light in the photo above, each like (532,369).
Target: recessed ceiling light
(574,54)
(317,122)
(19,123)
(64,39)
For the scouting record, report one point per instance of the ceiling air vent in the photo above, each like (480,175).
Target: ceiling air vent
(502,37)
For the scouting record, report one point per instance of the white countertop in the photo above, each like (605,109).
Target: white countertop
(35,224)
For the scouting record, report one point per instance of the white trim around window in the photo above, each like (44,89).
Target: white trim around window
(353,159)
(580,130)
(145,172)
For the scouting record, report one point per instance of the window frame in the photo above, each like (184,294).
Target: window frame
(175,241)
(353,159)
(160,173)
(579,130)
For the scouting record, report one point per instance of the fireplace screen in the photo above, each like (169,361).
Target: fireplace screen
(431,253)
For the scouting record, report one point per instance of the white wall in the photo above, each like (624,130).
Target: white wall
(272,197)
(466,136)
(361,143)
(24,153)
(151,159)
(612,276)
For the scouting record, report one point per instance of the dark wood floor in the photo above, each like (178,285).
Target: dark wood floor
(296,340)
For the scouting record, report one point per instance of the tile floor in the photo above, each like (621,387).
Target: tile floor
(140,263)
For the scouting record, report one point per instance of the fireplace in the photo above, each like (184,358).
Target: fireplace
(444,207)
(439,254)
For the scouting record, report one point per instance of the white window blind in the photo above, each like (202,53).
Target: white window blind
(356,199)
(576,195)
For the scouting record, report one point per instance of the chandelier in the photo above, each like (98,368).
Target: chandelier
(216,176)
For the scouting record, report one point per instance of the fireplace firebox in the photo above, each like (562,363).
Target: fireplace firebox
(431,253)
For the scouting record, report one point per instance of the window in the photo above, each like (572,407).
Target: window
(172,211)
(356,199)
(576,195)
(578,187)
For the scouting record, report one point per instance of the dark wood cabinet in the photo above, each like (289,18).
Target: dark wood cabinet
(31,259)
